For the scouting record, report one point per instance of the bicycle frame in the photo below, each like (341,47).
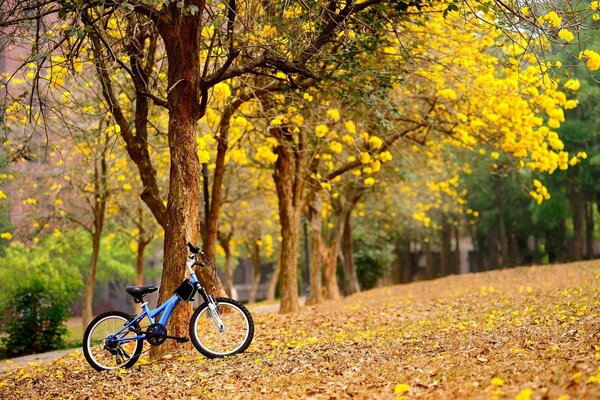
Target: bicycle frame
(167,308)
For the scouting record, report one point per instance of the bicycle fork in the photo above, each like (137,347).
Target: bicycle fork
(214,312)
(213,309)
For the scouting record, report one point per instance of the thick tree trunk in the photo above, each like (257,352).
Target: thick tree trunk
(288,195)
(181,36)
(332,291)
(315,216)
(288,280)
(351,284)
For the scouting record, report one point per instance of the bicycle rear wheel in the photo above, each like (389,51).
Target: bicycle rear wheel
(213,342)
(103,350)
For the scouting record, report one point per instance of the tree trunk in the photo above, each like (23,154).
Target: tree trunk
(332,291)
(502,231)
(445,235)
(139,265)
(255,259)
(225,241)
(288,280)
(589,224)
(457,255)
(315,216)
(181,39)
(274,278)
(351,284)
(87,311)
(430,269)
(578,215)
(99,212)
(289,175)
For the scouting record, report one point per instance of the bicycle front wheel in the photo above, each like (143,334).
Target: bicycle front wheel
(104,349)
(233,337)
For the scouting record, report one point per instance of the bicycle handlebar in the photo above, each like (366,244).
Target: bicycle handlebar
(196,250)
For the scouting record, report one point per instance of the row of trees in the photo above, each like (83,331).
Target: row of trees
(334,101)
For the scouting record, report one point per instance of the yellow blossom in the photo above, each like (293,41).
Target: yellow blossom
(6,235)
(572,84)
(566,35)
(321,130)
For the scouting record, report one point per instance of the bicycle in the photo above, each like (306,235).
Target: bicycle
(220,327)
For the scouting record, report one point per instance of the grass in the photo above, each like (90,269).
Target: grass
(526,333)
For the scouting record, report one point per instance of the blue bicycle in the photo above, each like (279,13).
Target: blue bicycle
(220,327)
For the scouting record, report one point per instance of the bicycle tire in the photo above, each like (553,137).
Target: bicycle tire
(206,337)
(94,346)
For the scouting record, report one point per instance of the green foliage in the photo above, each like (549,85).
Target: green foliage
(36,312)
(372,255)
(36,291)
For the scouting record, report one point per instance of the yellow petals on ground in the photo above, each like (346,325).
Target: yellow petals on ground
(402,388)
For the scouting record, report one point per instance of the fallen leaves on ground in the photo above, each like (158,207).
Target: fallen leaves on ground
(524,333)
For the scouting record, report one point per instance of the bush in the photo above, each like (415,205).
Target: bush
(36,315)
(37,289)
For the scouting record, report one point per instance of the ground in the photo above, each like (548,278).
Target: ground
(525,333)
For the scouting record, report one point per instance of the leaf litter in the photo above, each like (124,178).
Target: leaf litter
(523,333)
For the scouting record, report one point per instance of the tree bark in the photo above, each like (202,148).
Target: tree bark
(225,241)
(430,269)
(274,278)
(181,36)
(315,217)
(99,213)
(256,272)
(502,231)
(589,223)
(288,178)
(445,236)
(351,284)
(578,215)
(87,311)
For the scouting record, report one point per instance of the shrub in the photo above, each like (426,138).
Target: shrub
(36,312)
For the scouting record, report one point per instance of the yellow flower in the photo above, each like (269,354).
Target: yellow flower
(321,130)
(127,187)
(566,35)
(592,59)
(375,142)
(552,19)
(221,91)
(595,5)
(6,235)
(369,181)
(334,114)
(350,127)
(572,84)
(335,147)
(365,157)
